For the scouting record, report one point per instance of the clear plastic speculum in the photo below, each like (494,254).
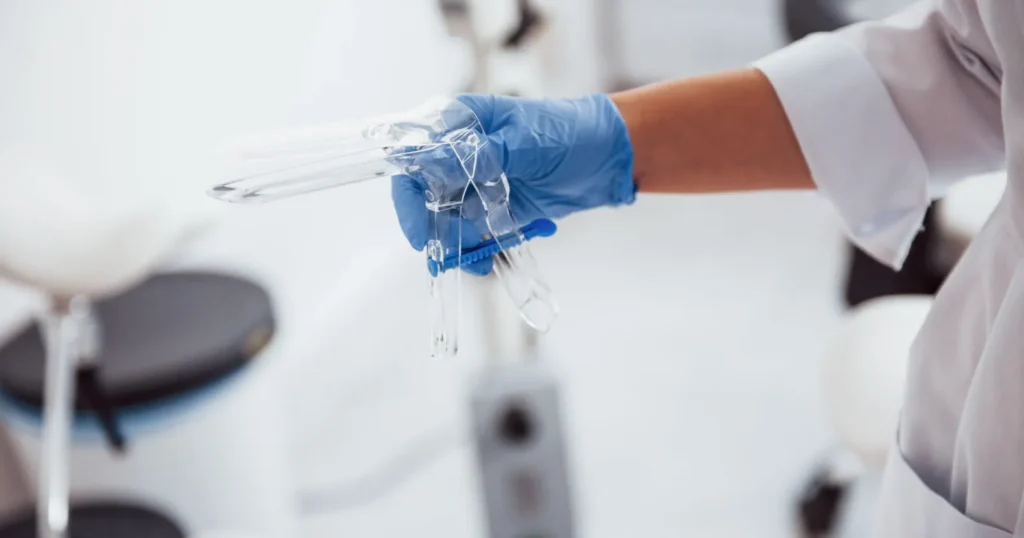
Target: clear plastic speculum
(441,144)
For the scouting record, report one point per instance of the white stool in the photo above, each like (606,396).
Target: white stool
(214,462)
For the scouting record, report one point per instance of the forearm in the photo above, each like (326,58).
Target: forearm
(718,133)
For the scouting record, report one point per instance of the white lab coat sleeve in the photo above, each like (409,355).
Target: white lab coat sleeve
(889,114)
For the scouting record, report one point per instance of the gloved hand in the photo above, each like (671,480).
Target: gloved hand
(560,157)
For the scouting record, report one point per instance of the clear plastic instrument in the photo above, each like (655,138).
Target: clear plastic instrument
(440,144)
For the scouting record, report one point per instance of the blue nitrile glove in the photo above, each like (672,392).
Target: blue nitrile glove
(561,156)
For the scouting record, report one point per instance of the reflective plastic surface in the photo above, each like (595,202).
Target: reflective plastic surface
(440,144)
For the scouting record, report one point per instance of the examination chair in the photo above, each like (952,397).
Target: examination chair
(136,406)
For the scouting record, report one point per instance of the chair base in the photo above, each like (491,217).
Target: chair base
(102,520)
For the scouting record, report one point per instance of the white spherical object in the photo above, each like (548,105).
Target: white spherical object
(58,236)
(865,371)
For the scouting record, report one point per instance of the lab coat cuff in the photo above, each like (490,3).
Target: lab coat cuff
(860,152)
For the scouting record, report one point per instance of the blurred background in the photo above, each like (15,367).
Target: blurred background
(692,353)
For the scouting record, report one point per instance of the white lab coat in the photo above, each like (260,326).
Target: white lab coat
(888,115)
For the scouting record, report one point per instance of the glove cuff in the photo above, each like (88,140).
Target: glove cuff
(620,153)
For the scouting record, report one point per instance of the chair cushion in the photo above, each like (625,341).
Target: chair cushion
(171,335)
(57,236)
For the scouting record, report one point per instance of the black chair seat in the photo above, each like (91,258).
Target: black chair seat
(108,520)
(167,337)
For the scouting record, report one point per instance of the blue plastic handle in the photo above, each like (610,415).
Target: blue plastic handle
(491,247)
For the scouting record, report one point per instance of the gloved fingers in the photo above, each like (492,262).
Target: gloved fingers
(436,168)
(524,208)
(414,218)
(482,105)
(461,232)
(411,206)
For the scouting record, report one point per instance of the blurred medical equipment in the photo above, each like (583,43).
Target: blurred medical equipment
(442,146)
(609,38)
(521,452)
(141,125)
(109,399)
(505,38)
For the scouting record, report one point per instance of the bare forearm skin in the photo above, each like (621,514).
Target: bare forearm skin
(725,132)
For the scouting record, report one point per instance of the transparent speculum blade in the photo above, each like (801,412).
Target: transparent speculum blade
(445,281)
(519,274)
(287,177)
(516,267)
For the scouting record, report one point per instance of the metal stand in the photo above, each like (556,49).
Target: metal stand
(519,439)
(71,333)
(53,497)
(611,46)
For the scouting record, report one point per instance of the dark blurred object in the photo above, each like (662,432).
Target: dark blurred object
(163,342)
(805,17)
(866,278)
(530,20)
(820,503)
(111,520)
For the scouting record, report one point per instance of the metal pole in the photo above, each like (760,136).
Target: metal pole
(61,328)
(610,45)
